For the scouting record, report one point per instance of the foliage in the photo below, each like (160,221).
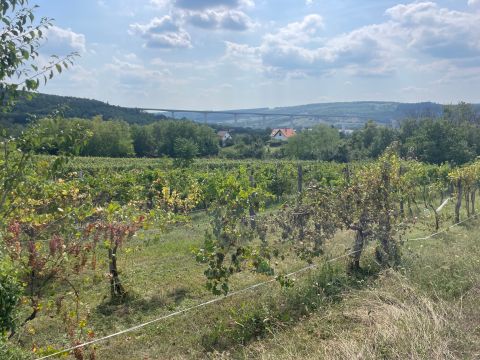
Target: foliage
(11,352)
(245,146)
(10,292)
(185,151)
(161,139)
(109,138)
(21,37)
(319,143)
(228,246)
(42,105)
(370,141)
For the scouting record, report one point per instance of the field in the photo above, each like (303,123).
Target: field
(423,307)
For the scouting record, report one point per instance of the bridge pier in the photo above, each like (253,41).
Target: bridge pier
(291,121)
(205,117)
(236,118)
(173,114)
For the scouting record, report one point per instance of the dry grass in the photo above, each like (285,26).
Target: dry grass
(428,310)
(389,321)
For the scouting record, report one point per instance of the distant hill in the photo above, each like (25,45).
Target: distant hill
(42,104)
(350,115)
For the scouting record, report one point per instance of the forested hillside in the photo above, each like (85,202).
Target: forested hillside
(41,105)
(351,115)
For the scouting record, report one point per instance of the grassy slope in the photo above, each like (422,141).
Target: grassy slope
(427,310)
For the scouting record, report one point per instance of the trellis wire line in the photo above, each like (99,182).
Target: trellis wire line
(218,299)
(443,231)
(179,312)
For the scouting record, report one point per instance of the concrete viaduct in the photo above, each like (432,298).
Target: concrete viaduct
(263,115)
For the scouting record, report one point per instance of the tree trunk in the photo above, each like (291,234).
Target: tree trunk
(354,264)
(467,202)
(318,246)
(458,205)
(117,290)
(437,217)
(472,198)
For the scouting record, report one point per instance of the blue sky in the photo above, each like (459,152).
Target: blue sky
(225,54)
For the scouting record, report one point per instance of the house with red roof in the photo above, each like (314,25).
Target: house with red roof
(282,134)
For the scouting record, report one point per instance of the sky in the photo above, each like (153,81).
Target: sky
(233,54)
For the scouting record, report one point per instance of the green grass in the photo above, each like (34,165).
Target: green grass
(426,309)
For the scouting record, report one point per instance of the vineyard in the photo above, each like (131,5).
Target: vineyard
(368,250)
(131,258)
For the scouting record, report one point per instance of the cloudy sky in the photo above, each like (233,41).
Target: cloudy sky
(224,54)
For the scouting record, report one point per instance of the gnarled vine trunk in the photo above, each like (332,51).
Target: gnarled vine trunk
(472,200)
(117,290)
(467,202)
(354,264)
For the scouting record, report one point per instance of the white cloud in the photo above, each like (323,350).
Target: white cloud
(135,75)
(438,32)
(211,14)
(203,4)
(220,19)
(473,2)
(420,30)
(61,41)
(162,32)
(211,4)
(244,56)
(299,32)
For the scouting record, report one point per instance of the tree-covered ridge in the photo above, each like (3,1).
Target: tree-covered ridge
(453,137)
(357,113)
(41,105)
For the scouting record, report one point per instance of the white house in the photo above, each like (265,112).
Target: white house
(224,136)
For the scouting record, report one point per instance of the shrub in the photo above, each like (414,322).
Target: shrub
(10,290)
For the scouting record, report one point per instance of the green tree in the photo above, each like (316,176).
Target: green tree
(62,136)
(20,39)
(320,143)
(110,138)
(10,291)
(185,151)
(438,141)
(143,141)
(370,141)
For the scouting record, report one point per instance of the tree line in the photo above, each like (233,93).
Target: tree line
(453,137)
(116,138)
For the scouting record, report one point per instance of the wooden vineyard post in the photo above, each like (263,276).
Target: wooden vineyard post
(458,205)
